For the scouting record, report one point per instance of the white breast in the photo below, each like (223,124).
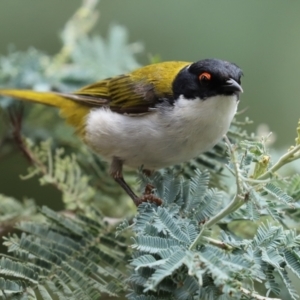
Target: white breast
(164,137)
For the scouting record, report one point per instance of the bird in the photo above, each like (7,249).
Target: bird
(153,117)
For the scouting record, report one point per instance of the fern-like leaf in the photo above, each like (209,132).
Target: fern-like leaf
(171,264)
(170,226)
(279,194)
(64,257)
(292,259)
(153,244)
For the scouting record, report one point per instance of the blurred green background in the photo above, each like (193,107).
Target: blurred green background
(262,37)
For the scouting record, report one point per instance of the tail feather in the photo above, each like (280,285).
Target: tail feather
(46,98)
(74,112)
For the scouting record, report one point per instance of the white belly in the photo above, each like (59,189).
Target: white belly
(164,137)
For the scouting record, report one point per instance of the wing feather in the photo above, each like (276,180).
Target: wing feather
(133,93)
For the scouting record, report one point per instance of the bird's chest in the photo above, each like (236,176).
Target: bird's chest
(163,138)
(194,126)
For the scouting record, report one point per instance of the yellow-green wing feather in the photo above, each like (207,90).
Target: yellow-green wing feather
(137,91)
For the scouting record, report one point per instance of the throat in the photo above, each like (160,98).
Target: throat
(204,122)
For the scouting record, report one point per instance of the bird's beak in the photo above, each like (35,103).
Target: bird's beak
(232,86)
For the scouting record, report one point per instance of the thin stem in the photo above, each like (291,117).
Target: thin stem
(256,296)
(286,158)
(218,243)
(251,180)
(232,206)
(235,164)
(255,180)
(235,203)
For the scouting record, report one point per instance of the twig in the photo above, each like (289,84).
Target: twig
(15,117)
(251,180)
(16,121)
(256,296)
(283,160)
(218,244)
(235,203)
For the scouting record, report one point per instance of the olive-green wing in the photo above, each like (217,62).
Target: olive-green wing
(136,92)
(121,94)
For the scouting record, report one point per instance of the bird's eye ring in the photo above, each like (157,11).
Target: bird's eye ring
(204,76)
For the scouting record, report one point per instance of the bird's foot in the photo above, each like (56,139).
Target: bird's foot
(148,196)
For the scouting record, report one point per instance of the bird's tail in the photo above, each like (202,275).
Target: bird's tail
(74,111)
(46,98)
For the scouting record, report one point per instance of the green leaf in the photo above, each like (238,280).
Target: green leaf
(151,244)
(10,286)
(279,194)
(292,258)
(170,225)
(288,284)
(171,264)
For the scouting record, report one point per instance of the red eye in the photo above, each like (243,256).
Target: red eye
(204,76)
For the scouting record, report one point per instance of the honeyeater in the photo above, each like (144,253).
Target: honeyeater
(156,116)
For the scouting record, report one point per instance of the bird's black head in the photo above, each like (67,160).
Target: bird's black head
(207,78)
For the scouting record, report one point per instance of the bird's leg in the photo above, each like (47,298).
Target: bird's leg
(147,172)
(116,172)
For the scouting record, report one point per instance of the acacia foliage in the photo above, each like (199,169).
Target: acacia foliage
(227,228)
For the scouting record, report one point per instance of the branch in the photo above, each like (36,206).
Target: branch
(218,243)
(236,202)
(256,296)
(290,156)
